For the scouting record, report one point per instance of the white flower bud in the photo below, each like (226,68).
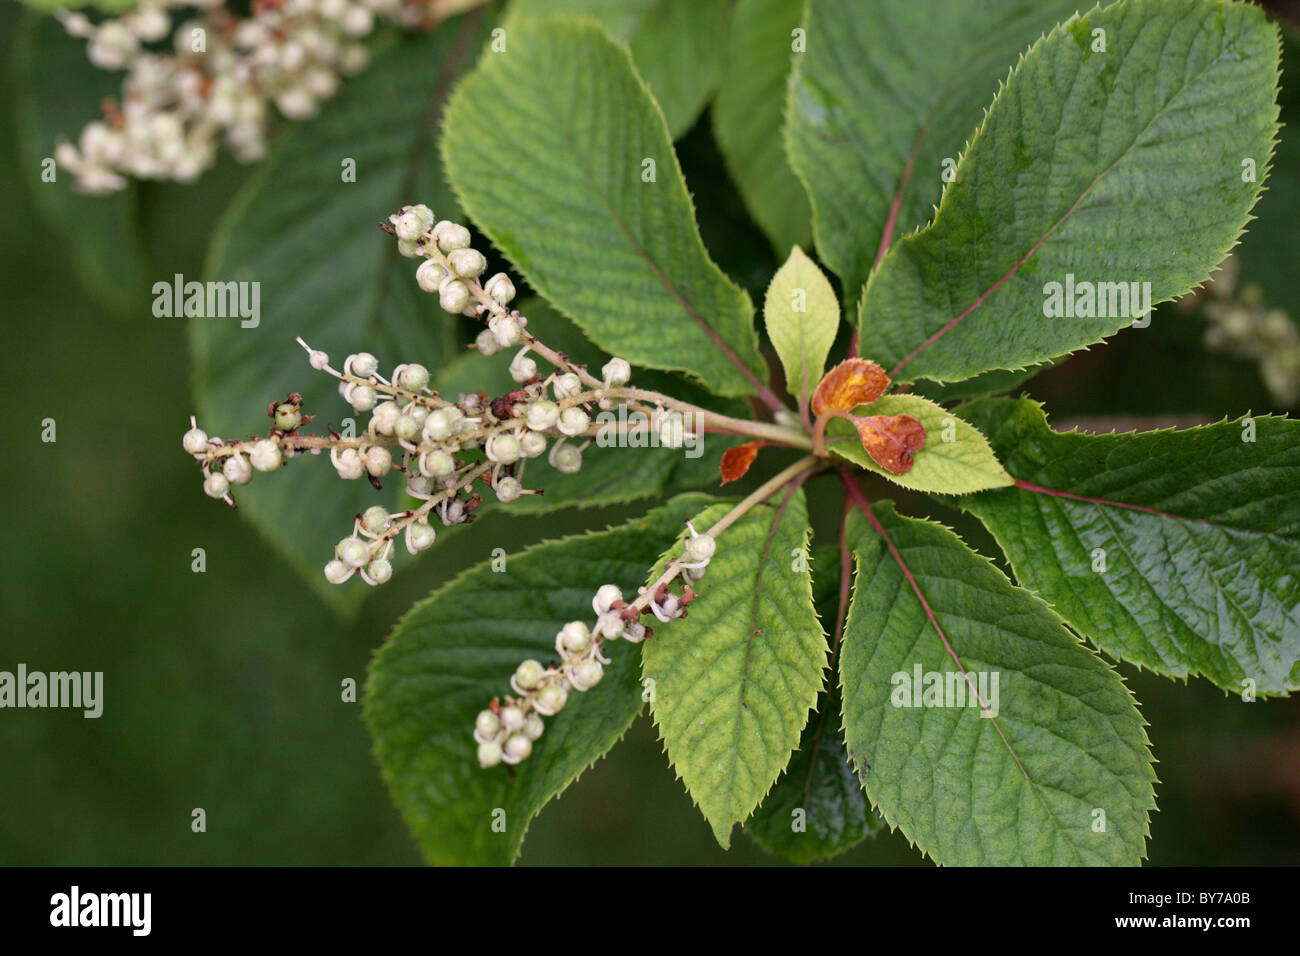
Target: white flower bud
(633,632)
(487,343)
(336,572)
(296,104)
(506,330)
(408,227)
(408,248)
(318,359)
(605,598)
(349,464)
(195,441)
(566,459)
(413,377)
(573,421)
(610,626)
(375,519)
(441,423)
(417,484)
(362,398)
(419,537)
(429,276)
(215,485)
(528,674)
(362,365)
(541,415)
(489,754)
(385,417)
(508,489)
(532,444)
(424,212)
(502,448)
(512,719)
(265,455)
(379,461)
(237,470)
(486,725)
(453,295)
(500,288)
(451,236)
(550,699)
(379,571)
(672,430)
(437,463)
(533,727)
(467,263)
(522,368)
(352,552)
(406,427)
(586,674)
(701,547)
(566,385)
(616,372)
(517,748)
(357,21)
(572,639)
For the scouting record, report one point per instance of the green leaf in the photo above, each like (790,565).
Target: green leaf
(885,94)
(956,459)
(1177,550)
(328,273)
(1112,168)
(749,116)
(817,809)
(455,651)
(1064,752)
(735,678)
(802,316)
(57,92)
(618,254)
(673,43)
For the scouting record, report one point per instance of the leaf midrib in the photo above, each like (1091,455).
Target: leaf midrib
(879,528)
(952,323)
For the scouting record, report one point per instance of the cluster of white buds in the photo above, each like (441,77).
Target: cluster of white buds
(505,731)
(218,79)
(440,446)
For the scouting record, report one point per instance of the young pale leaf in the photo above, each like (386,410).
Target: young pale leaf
(881,104)
(674,44)
(955,460)
(561,156)
(817,809)
(748,117)
(1097,186)
(1177,550)
(802,316)
(325,271)
(455,651)
(936,638)
(58,93)
(735,678)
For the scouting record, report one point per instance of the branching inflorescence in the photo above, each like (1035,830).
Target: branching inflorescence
(218,82)
(443,447)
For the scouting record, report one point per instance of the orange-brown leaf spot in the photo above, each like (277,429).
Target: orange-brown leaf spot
(891,440)
(853,382)
(736,461)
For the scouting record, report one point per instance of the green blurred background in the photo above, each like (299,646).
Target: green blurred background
(222,689)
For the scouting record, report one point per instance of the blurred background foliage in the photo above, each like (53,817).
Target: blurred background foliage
(223,689)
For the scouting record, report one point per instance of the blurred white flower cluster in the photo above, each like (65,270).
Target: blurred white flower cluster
(219,80)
